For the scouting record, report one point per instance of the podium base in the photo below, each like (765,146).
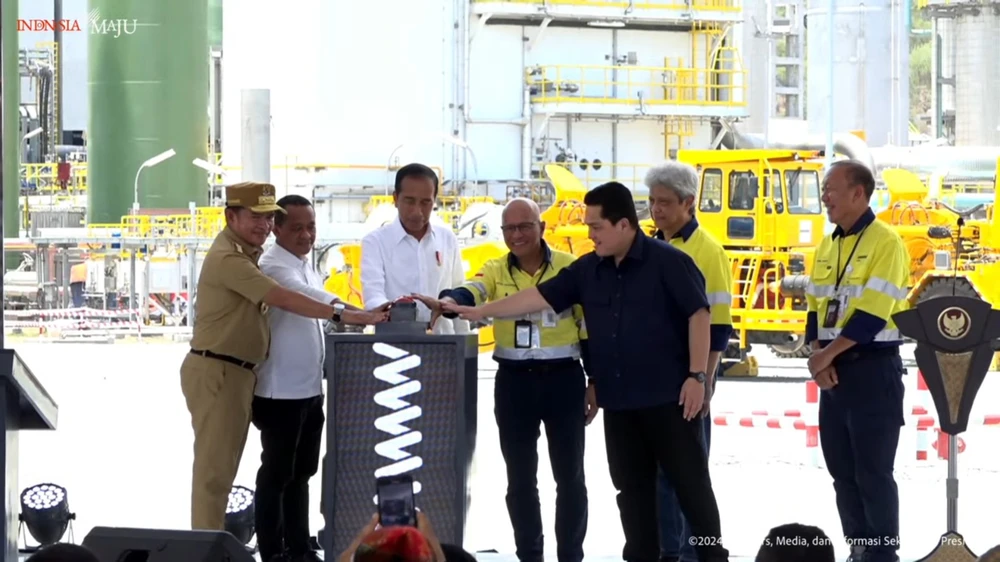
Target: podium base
(951,548)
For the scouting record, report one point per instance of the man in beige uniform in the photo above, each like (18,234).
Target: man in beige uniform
(231,337)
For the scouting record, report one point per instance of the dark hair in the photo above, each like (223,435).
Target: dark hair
(795,542)
(415,171)
(615,201)
(857,174)
(63,552)
(289,201)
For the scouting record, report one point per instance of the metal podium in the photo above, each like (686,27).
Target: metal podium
(24,404)
(954,350)
(399,401)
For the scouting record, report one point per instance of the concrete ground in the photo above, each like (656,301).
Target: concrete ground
(123,450)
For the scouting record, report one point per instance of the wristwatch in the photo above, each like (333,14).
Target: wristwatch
(700,377)
(338,309)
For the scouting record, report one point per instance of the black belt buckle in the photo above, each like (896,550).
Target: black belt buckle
(231,360)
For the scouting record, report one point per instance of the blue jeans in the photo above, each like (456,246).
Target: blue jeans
(674,529)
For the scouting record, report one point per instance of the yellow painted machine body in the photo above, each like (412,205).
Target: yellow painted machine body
(764,207)
(946,258)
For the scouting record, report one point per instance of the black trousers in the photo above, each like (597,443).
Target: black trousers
(638,443)
(290,435)
(525,398)
(859,425)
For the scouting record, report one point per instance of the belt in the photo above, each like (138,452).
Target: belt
(231,360)
(538,367)
(875,353)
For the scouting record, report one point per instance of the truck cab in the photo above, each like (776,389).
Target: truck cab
(759,199)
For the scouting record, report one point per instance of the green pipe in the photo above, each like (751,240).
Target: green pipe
(11,125)
(148,94)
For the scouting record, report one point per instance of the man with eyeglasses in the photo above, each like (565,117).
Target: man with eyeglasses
(539,380)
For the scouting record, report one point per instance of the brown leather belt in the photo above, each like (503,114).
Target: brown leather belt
(226,358)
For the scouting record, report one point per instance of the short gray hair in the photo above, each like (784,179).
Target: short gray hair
(678,177)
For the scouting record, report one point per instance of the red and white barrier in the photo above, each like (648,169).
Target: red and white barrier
(928,434)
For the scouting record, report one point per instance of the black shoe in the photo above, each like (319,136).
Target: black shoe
(311,556)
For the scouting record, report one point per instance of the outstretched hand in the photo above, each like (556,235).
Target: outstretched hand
(464,312)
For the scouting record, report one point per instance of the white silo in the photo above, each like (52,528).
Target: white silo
(871,69)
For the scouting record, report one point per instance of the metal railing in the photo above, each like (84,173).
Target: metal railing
(591,175)
(637,85)
(717,5)
(43,179)
(207,222)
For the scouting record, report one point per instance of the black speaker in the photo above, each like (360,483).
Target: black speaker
(119,544)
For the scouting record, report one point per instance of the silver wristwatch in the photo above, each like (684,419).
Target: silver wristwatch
(338,311)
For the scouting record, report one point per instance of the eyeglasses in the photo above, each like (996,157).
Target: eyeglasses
(523,228)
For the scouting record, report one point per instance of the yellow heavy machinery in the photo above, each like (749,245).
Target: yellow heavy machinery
(951,251)
(770,234)
(764,207)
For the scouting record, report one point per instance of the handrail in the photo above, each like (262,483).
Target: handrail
(637,85)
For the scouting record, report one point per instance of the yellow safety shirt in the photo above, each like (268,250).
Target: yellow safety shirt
(859,280)
(710,257)
(554,336)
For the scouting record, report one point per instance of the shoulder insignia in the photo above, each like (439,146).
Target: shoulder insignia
(263,308)
(239,249)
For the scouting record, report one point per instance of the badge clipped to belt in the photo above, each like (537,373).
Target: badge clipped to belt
(523,334)
(832,313)
(526,334)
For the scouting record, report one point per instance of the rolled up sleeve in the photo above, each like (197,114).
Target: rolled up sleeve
(563,290)
(242,276)
(372,272)
(685,283)
(289,278)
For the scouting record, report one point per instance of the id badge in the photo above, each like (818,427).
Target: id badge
(522,334)
(549,319)
(832,313)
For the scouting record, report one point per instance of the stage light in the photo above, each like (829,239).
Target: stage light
(45,512)
(240,514)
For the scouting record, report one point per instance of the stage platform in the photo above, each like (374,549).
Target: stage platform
(124,445)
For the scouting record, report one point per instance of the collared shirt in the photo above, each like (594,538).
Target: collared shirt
(711,259)
(637,320)
(395,264)
(294,368)
(859,280)
(553,336)
(229,310)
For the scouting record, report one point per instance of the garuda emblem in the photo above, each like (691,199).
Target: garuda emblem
(954,323)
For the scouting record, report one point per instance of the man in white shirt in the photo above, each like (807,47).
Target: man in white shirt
(412,255)
(288,399)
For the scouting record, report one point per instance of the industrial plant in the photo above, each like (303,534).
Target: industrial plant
(133,116)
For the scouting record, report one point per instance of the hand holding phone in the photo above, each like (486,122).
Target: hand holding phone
(396,504)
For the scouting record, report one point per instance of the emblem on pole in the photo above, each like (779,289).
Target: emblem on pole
(954,323)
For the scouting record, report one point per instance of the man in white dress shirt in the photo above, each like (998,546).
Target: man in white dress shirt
(412,255)
(288,399)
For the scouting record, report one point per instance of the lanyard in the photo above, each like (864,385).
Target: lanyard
(841,272)
(511,272)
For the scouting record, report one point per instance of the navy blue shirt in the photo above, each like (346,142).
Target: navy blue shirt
(637,320)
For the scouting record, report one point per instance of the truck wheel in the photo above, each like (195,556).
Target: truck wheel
(795,349)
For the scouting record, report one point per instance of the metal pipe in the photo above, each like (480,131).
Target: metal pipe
(952,483)
(57,15)
(192,288)
(831,45)
(256,135)
(794,285)
(526,140)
